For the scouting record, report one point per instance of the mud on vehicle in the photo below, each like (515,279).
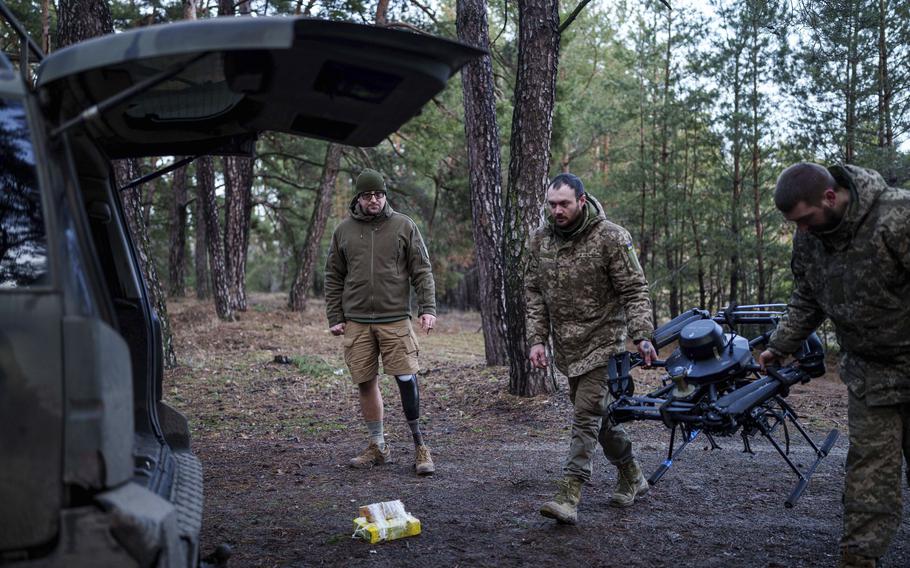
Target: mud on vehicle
(95,469)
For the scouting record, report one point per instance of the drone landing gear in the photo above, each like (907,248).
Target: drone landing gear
(688,434)
(767,418)
(764,419)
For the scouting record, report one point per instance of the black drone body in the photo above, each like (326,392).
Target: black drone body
(714,387)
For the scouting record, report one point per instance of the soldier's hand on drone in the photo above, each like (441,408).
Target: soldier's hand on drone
(767,358)
(647,352)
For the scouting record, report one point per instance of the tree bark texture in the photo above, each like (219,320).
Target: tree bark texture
(754,99)
(238,207)
(189,9)
(79,20)
(737,150)
(201,250)
(321,209)
(484,164)
(205,172)
(669,244)
(177,253)
(532,126)
(45,26)
(382,8)
(126,170)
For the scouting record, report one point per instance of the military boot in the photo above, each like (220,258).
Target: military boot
(423,461)
(564,506)
(371,456)
(853,560)
(631,484)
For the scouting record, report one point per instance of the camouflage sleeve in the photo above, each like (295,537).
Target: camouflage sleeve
(421,273)
(898,236)
(803,315)
(629,281)
(537,317)
(335,271)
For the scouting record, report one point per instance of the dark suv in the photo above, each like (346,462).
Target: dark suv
(95,469)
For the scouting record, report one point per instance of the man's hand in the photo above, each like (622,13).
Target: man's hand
(767,359)
(427,322)
(647,352)
(337,329)
(538,356)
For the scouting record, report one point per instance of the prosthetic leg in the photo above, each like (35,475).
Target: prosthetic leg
(410,400)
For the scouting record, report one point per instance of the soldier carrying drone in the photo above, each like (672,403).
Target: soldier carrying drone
(851,264)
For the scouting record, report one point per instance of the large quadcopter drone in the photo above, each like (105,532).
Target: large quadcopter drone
(714,387)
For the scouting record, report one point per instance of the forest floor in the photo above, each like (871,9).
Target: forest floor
(275,439)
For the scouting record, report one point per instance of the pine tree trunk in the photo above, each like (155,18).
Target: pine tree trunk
(201,249)
(735,257)
(79,20)
(321,209)
(532,126)
(238,201)
(177,254)
(238,207)
(667,189)
(205,173)
(45,26)
(125,171)
(485,167)
(756,167)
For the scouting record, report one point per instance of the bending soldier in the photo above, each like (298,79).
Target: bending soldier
(585,286)
(851,264)
(375,257)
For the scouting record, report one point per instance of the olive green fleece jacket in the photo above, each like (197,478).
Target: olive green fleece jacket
(372,263)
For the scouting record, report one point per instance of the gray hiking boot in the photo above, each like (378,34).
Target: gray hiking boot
(423,461)
(631,484)
(564,506)
(371,456)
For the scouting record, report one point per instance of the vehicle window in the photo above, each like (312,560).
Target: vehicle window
(199,92)
(23,238)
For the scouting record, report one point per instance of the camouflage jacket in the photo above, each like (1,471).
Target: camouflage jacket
(858,275)
(372,263)
(587,290)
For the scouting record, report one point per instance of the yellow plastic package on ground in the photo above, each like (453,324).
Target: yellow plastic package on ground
(385,521)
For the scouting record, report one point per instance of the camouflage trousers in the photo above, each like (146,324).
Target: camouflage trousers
(590,398)
(879,441)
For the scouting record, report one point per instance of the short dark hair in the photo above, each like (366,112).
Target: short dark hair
(570,180)
(803,181)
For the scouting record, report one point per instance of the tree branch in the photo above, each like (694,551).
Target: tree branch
(571,17)
(285,181)
(430,14)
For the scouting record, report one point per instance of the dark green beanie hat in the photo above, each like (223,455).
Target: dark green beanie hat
(369,180)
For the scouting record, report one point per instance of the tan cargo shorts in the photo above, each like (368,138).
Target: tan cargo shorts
(365,343)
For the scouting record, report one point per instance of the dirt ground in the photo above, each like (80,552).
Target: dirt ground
(275,439)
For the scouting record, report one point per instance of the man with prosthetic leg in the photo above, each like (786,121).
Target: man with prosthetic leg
(376,257)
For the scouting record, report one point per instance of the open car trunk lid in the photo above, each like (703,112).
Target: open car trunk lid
(347,83)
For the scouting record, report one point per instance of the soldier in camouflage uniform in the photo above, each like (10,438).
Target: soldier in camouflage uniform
(585,286)
(851,264)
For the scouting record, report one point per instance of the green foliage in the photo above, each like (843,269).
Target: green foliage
(313,366)
(678,122)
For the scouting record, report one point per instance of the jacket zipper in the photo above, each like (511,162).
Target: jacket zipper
(372,289)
